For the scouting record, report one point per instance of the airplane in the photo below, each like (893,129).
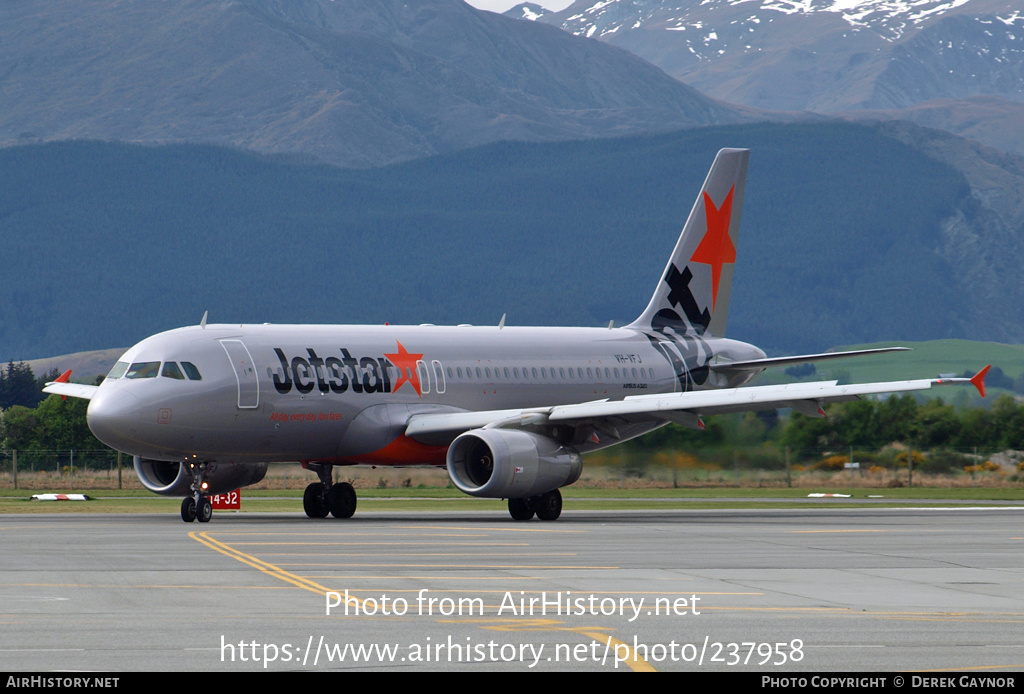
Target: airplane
(509,411)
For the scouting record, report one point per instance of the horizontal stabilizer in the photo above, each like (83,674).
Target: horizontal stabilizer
(758,364)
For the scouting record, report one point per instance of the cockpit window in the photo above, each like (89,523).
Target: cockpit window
(143,369)
(192,371)
(118,370)
(171,370)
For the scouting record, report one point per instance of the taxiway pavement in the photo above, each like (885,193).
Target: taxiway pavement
(770,591)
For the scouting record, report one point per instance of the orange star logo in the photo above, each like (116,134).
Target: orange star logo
(716,248)
(406,365)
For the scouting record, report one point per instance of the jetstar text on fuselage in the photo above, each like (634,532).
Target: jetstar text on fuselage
(339,374)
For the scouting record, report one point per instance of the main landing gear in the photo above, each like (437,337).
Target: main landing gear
(198,506)
(323,497)
(547,506)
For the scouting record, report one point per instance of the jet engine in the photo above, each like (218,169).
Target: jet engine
(510,463)
(172,479)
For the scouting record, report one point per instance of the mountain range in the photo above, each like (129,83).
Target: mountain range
(941,63)
(850,234)
(350,82)
(390,161)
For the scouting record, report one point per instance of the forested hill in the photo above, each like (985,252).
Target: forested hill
(844,239)
(349,82)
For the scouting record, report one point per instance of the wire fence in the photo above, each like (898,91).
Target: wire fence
(63,465)
(614,467)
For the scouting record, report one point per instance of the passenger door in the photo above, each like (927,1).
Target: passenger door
(245,373)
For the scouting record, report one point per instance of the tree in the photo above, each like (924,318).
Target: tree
(895,417)
(20,425)
(858,424)
(806,436)
(18,386)
(62,425)
(978,430)
(936,424)
(1009,422)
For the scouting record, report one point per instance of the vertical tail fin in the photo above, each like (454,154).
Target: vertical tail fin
(693,294)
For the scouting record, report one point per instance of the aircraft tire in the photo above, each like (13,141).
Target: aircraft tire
(313,502)
(204,510)
(341,500)
(188,509)
(549,505)
(520,509)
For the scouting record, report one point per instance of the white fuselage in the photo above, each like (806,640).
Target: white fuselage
(273,393)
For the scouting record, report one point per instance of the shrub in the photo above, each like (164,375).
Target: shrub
(832,463)
(987,466)
(942,461)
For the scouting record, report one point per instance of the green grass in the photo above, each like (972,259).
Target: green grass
(927,360)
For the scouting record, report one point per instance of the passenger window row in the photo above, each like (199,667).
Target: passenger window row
(549,374)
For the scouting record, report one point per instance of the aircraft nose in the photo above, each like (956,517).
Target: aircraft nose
(113,417)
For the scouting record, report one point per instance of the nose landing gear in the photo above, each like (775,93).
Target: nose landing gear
(198,506)
(201,511)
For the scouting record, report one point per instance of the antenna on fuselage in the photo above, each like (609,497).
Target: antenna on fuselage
(501,323)
(611,324)
(202,323)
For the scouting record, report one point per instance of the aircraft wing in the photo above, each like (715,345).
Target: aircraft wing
(65,389)
(806,398)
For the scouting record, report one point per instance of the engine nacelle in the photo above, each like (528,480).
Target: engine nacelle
(172,479)
(510,463)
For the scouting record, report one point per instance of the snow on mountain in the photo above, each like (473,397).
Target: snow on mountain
(824,55)
(891,19)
